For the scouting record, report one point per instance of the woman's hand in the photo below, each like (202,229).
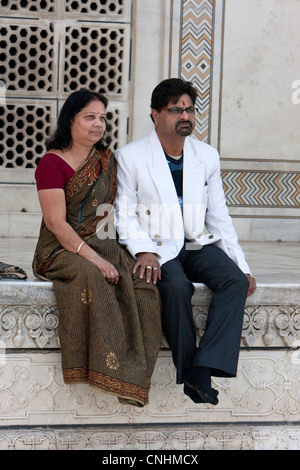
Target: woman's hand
(107,269)
(54,212)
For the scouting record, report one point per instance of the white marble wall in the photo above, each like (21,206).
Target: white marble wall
(259,117)
(156,53)
(261,61)
(251,107)
(253,112)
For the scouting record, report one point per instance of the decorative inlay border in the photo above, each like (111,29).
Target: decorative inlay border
(196,53)
(262,188)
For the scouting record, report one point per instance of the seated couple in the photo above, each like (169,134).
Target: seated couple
(116,296)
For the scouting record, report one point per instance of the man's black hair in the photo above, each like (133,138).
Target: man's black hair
(170,90)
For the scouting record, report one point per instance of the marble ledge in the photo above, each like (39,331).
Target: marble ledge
(38,291)
(29,317)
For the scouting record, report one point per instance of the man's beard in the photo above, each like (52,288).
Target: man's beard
(184,128)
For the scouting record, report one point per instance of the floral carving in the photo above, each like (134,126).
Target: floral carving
(17,323)
(42,325)
(265,326)
(287,322)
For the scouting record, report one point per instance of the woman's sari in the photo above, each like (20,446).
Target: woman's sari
(110,334)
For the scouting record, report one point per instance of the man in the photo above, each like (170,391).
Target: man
(172,217)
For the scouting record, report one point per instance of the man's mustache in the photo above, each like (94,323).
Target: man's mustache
(184,128)
(184,122)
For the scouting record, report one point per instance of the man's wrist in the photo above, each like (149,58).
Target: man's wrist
(141,253)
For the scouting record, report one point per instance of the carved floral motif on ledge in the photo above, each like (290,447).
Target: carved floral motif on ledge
(264,326)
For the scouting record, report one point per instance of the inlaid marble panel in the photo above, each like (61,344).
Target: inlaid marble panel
(196,57)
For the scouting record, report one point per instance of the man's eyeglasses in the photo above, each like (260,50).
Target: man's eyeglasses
(179,111)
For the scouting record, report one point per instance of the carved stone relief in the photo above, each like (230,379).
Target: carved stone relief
(267,388)
(36,326)
(23,326)
(180,438)
(264,325)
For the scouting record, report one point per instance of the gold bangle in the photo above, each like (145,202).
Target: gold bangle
(78,249)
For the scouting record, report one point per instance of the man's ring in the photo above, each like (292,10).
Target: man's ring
(148,267)
(154,268)
(112,274)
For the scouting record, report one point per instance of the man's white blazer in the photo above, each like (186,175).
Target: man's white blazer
(148,215)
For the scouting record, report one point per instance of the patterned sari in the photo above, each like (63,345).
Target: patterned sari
(110,335)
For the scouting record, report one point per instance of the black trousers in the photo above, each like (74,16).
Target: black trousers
(219,346)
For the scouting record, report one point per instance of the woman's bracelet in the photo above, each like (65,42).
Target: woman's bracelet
(78,249)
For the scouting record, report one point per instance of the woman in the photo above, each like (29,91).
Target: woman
(109,329)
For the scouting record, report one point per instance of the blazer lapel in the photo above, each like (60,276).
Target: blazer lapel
(160,172)
(162,179)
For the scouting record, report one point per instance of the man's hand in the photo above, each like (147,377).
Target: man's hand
(252,285)
(149,265)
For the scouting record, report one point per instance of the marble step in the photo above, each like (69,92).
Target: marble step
(265,390)
(178,441)
(19,224)
(18,198)
(259,409)
(20,214)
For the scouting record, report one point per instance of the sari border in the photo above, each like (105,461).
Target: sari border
(108,384)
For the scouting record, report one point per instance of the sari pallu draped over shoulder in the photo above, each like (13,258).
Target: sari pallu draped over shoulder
(84,193)
(110,335)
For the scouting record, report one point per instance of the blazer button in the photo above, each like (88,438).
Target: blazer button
(211,236)
(159,243)
(156,236)
(148,212)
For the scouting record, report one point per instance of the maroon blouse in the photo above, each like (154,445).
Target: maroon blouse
(52,172)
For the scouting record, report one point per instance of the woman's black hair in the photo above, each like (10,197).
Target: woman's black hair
(78,100)
(170,90)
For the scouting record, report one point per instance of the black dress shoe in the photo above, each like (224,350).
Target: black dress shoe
(199,379)
(194,396)
(205,396)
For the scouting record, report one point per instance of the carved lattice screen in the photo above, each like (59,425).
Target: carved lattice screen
(48,49)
